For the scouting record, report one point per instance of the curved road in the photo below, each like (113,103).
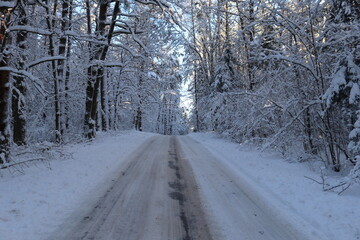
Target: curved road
(156,197)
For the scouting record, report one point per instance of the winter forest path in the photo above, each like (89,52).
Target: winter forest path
(156,197)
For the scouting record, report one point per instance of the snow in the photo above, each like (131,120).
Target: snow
(337,81)
(33,205)
(4,4)
(40,201)
(29,29)
(354,133)
(354,93)
(45,59)
(287,192)
(38,84)
(152,74)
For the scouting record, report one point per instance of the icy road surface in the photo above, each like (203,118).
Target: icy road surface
(157,196)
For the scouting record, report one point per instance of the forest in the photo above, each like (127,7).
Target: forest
(276,73)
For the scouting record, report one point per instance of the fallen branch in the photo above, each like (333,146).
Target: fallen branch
(26,163)
(326,187)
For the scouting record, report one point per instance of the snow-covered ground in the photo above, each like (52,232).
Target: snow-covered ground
(36,203)
(286,190)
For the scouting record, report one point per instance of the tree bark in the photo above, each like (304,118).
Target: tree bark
(104,105)
(4,90)
(96,73)
(19,86)
(196,85)
(57,102)
(62,67)
(4,111)
(138,119)
(67,73)
(251,34)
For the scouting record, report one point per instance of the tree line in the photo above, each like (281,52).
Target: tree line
(285,74)
(69,68)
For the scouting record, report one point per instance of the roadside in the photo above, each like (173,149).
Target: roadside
(286,190)
(35,203)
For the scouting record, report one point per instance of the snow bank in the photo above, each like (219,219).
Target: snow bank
(35,204)
(287,191)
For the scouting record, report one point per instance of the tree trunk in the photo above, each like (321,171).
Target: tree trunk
(96,73)
(4,90)
(91,102)
(104,105)
(57,101)
(196,85)
(4,111)
(309,145)
(251,34)
(19,86)
(138,119)
(67,74)
(62,65)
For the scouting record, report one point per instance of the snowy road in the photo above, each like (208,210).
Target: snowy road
(173,188)
(234,210)
(153,198)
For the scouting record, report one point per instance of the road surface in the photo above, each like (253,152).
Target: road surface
(156,196)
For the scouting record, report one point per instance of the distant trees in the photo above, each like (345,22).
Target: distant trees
(281,73)
(168,112)
(70,68)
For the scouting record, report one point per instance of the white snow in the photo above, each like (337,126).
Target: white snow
(354,93)
(354,133)
(29,29)
(4,4)
(45,59)
(286,190)
(337,81)
(35,204)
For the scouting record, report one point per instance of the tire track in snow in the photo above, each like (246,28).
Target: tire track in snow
(154,197)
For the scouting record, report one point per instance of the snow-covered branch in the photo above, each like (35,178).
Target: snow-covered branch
(44,59)
(30,29)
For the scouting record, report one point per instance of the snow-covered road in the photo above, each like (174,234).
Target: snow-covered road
(154,197)
(157,197)
(236,210)
(134,185)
